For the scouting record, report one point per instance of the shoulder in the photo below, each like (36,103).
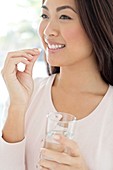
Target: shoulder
(38,82)
(111,87)
(41,83)
(108,98)
(108,104)
(110,92)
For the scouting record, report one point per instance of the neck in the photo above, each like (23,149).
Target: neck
(83,76)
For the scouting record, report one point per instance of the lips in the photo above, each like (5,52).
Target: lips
(53,45)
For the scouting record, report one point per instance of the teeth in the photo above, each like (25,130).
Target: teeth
(55,46)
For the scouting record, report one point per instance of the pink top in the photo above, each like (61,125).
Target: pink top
(94,133)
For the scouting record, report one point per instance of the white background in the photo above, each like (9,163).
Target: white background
(9,13)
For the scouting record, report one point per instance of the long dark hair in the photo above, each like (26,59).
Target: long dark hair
(97,19)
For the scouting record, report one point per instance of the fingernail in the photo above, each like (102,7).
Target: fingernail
(40,49)
(37,49)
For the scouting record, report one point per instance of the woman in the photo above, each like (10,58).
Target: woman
(78,42)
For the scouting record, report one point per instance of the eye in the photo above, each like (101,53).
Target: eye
(44,16)
(65,17)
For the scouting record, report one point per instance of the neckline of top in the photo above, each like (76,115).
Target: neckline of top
(96,110)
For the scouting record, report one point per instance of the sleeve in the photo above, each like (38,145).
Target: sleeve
(12,155)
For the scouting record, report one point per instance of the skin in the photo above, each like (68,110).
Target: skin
(71,160)
(57,28)
(78,69)
(78,60)
(13,130)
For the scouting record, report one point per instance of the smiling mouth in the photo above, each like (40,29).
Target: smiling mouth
(55,46)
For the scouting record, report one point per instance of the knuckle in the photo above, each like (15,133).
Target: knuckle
(9,53)
(2,72)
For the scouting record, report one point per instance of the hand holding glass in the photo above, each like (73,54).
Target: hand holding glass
(59,123)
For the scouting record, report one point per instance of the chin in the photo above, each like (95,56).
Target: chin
(53,62)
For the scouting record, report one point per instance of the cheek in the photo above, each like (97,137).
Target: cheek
(41,28)
(41,31)
(70,34)
(76,36)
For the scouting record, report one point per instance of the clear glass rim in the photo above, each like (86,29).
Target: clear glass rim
(61,121)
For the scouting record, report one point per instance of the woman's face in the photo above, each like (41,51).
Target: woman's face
(63,36)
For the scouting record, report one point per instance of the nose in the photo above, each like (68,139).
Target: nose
(51,29)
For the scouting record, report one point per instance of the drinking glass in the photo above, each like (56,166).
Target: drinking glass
(59,123)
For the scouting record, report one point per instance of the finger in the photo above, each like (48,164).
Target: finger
(71,146)
(58,157)
(18,54)
(33,51)
(53,165)
(29,67)
(28,54)
(27,51)
(24,58)
(12,65)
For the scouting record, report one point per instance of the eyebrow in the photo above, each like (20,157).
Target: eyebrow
(60,8)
